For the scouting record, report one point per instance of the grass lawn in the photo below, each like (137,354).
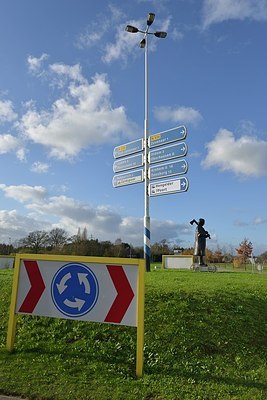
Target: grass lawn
(205,338)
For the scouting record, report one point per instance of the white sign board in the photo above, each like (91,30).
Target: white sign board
(168,187)
(177,261)
(90,291)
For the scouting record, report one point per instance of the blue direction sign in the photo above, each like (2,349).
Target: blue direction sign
(168,169)
(128,148)
(165,137)
(128,178)
(128,163)
(167,153)
(168,187)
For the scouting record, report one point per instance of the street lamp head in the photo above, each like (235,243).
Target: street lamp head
(142,44)
(150,19)
(131,29)
(161,35)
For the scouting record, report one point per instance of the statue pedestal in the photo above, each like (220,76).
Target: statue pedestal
(204,268)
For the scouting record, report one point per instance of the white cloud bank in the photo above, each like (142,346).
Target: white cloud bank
(103,222)
(245,156)
(186,115)
(82,117)
(7,113)
(216,11)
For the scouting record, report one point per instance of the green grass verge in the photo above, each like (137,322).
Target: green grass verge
(205,338)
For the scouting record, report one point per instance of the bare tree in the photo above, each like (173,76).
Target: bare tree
(57,237)
(36,241)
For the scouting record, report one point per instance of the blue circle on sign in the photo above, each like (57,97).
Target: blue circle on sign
(74,290)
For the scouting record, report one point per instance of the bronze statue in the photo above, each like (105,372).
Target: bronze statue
(200,240)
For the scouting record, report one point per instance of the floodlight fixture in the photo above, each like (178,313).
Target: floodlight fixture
(142,44)
(150,19)
(161,35)
(131,29)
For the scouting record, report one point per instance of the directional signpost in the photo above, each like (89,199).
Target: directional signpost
(167,153)
(122,164)
(169,169)
(168,187)
(96,289)
(165,137)
(128,178)
(128,148)
(154,149)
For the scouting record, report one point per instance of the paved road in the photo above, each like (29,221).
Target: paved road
(3,397)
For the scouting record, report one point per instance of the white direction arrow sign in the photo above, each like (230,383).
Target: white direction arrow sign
(128,148)
(167,153)
(124,163)
(128,178)
(165,137)
(165,170)
(168,187)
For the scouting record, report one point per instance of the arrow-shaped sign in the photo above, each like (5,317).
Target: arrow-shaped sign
(168,187)
(124,296)
(167,153)
(171,135)
(37,287)
(168,169)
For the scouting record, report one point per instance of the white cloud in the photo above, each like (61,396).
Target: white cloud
(66,72)
(104,23)
(102,221)
(245,156)
(83,118)
(21,153)
(124,44)
(7,113)
(260,220)
(24,193)
(35,64)
(14,226)
(186,115)
(39,167)
(8,143)
(215,11)
(177,35)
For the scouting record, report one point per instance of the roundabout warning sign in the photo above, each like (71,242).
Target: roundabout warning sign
(108,290)
(74,290)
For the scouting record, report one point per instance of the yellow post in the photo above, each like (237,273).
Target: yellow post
(140,319)
(12,313)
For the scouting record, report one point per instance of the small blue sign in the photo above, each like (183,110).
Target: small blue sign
(128,148)
(74,290)
(168,152)
(128,163)
(128,178)
(168,169)
(165,137)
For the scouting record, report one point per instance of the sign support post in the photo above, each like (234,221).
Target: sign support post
(12,322)
(140,322)
(147,246)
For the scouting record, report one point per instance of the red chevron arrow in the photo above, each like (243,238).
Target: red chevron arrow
(37,287)
(124,296)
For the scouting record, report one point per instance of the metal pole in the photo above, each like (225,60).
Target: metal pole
(146,184)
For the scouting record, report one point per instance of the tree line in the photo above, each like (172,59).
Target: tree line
(57,241)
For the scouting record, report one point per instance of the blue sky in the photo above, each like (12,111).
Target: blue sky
(72,89)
